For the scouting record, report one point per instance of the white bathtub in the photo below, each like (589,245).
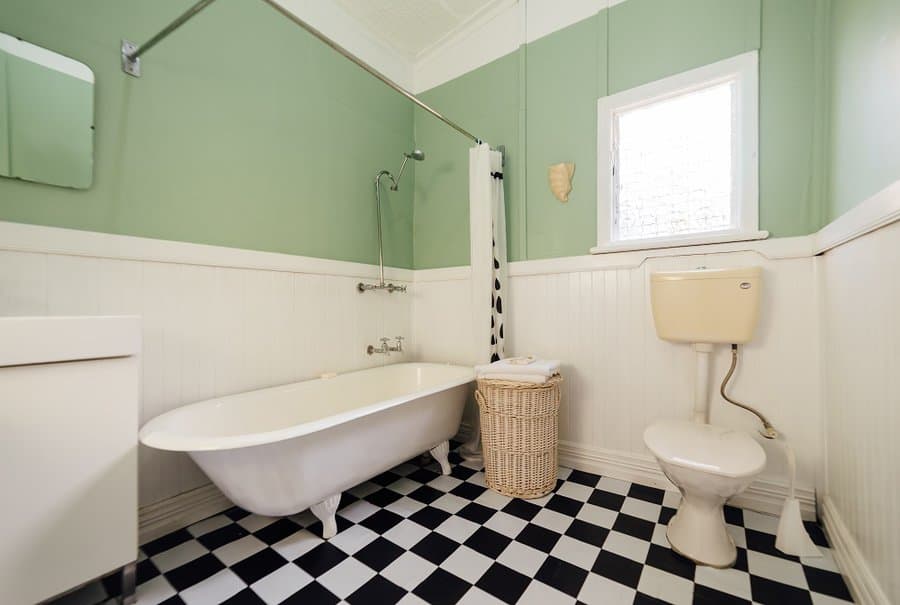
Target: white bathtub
(281,450)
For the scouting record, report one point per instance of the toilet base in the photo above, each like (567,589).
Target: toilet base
(697,532)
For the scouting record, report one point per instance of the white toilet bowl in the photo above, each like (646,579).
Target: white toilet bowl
(708,464)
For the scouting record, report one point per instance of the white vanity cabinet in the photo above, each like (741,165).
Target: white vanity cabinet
(69,390)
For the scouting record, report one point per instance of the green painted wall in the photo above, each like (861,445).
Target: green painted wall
(244,131)
(865,101)
(485,101)
(630,44)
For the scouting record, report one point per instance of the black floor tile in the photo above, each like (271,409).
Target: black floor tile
(562,576)
(379,553)
(634,526)
(618,568)
(442,588)
(504,583)
(312,594)
(770,592)
(320,559)
(607,500)
(435,548)
(259,565)
(538,537)
(488,542)
(194,572)
(827,582)
(649,494)
(587,532)
(377,591)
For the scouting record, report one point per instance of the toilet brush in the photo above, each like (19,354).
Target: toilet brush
(791,538)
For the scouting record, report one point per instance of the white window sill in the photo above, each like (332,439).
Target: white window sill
(698,239)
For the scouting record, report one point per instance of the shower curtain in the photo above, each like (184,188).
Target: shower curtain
(487,252)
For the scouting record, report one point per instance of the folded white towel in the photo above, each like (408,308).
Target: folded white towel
(539,367)
(529,378)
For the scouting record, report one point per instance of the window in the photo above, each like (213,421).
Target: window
(678,160)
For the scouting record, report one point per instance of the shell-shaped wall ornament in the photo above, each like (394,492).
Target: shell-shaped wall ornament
(560,177)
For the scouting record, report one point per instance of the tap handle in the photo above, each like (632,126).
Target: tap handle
(399,338)
(384,340)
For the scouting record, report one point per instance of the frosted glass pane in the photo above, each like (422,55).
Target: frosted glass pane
(675,165)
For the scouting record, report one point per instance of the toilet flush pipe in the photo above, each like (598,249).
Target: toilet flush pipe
(701,385)
(768,431)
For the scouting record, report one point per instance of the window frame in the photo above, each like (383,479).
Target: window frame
(743,71)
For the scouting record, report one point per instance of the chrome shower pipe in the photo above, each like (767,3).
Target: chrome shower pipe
(381,285)
(131,54)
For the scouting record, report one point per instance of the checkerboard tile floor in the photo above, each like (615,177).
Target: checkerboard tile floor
(411,535)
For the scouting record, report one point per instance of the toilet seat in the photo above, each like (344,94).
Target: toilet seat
(705,448)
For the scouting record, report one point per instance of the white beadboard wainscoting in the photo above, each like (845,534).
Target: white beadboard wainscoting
(593,313)
(257,320)
(861,300)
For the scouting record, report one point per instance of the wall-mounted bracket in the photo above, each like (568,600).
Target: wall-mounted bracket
(130,66)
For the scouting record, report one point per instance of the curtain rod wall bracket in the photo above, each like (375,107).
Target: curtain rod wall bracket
(131,66)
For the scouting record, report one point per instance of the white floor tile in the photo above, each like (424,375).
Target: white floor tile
(731,581)
(522,558)
(598,590)
(404,486)
(597,515)
(254,523)
(575,552)
(615,486)
(668,587)
(659,536)
(353,538)
(408,570)
(641,509)
(476,596)
(178,556)
(297,544)
(406,533)
(467,564)
(457,528)
(208,525)
(760,522)
(737,534)
(358,511)
(213,589)
(551,519)
(239,550)
(627,546)
(279,585)
(492,499)
(444,483)
(506,524)
(405,506)
(450,503)
(576,491)
(154,591)
(826,561)
(539,593)
(344,578)
(776,568)
(672,499)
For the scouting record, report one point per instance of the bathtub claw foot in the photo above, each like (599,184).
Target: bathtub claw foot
(440,453)
(325,511)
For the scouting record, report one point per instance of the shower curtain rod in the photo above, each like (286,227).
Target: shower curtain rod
(131,57)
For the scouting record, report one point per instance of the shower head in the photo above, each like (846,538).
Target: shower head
(417,155)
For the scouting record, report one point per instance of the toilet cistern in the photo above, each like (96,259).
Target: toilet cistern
(708,464)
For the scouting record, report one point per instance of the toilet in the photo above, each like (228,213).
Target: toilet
(708,464)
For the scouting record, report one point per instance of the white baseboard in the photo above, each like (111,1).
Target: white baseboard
(862,583)
(762,496)
(160,518)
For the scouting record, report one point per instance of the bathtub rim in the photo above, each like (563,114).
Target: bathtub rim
(154,437)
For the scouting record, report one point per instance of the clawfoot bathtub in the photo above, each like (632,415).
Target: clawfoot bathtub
(281,450)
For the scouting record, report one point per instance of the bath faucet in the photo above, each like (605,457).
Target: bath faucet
(385,348)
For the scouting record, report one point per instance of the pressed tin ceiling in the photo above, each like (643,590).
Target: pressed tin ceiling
(413,27)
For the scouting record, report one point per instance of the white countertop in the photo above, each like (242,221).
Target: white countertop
(32,340)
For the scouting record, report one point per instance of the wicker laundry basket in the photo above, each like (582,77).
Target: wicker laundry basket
(520,435)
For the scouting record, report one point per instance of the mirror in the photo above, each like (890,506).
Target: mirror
(46,116)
